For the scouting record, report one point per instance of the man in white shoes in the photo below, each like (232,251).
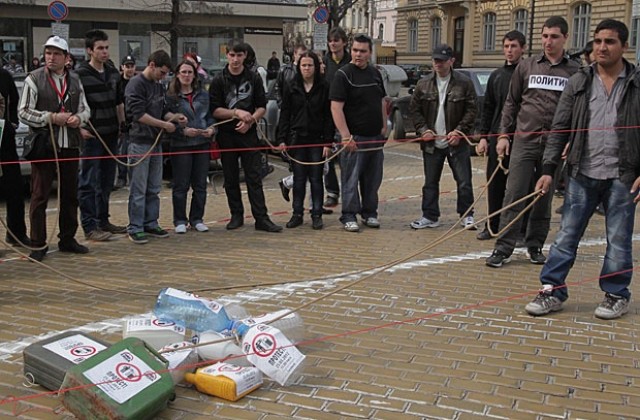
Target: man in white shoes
(443,104)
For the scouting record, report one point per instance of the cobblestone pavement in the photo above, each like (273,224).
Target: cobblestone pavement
(438,336)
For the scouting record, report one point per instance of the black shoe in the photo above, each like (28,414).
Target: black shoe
(284,190)
(235,222)
(111,228)
(294,222)
(484,235)
(536,256)
(316,222)
(327,211)
(600,209)
(498,259)
(39,254)
(331,201)
(560,209)
(24,239)
(73,247)
(268,226)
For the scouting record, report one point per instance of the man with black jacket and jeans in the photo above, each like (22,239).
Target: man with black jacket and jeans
(597,116)
(496,93)
(238,93)
(95,181)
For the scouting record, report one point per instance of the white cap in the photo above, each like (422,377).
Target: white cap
(57,42)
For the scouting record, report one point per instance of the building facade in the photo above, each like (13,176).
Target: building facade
(139,27)
(474,28)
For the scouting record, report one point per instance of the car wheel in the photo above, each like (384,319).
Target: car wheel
(398,126)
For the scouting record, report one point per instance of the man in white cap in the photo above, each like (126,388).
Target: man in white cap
(53,95)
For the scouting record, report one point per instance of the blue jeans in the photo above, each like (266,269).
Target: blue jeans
(123,147)
(190,167)
(582,196)
(361,169)
(460,163)
(95,182)
(302,173)
(144,187)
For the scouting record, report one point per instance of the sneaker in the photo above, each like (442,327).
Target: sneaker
(201,227)
(543,304)
(138,238)
(181,228)
(484,235)
(371,222)
(98,235)
(423,222)
(157,231)
(352,227)
(536,256)
(612,307)
(331,201)
(469,223)
(498,259)
(115,229)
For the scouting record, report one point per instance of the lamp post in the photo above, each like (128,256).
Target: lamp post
(531,20)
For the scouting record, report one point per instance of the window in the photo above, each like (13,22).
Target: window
(581,24)
(381,31)
(413,35)
(436,32)
(489,32)
(635,32)
(521,21)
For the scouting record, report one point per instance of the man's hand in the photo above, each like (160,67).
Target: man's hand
(428,135)
(191,132)
(326,152)
(244,116)
(634,190)
(73,121)
(209,132)
(453,138)
(86,134)
(60,118)
(482,147)
(182,120)
(350,144)
(543,184)
(281,147)
(169,127)
(502,148)
(565,151)
(244,126)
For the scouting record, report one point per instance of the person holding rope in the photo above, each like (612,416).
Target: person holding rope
(305,123)
(598,116)
(443,104)
(97,176)
(237,94)
(128,70)
(144,103)
(536,86)
(190,147)
(357,106)
(53,96)
(513,45)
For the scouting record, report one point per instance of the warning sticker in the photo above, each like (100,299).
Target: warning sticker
(246,378)
(151,323)
(122,376)
(75,348)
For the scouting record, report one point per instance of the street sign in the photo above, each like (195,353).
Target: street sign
(320,32)
(321,15)
(58,11)
(60,29)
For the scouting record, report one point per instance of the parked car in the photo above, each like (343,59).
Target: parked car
(414,73)
(401,122)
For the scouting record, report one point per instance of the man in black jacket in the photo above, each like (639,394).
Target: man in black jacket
(497,90)
(597,116)
(238,93)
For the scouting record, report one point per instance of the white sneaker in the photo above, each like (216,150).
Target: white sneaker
(201,227)
(423,222)
(469,223)
(352,227)
(181,228)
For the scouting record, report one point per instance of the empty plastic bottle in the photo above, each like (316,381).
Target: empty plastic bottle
(291,325)
(191,311)
(218,351)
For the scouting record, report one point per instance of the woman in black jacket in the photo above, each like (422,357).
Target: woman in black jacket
(305,124)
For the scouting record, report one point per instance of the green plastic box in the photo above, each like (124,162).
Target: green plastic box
(129,380)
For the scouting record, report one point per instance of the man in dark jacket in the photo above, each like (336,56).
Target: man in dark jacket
(496,93)
(95,181)
(442,105)
(288,71)
(536,86)
(238,93)
(597,116)
(273,66)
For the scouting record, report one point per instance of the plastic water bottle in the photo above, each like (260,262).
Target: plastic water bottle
(191,311)
(291,325)
(218,351)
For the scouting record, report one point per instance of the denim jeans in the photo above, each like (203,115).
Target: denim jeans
(302,173)
(582,196)
(95,182)
(144,187)
(460,163)
(331,178)
(190,167)
(123,147)
(361,169)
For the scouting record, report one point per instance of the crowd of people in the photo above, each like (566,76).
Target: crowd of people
(537,112)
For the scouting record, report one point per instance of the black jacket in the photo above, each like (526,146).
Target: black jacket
(305,118)
(571,121)
(10,94)
(494,99)
(331,67)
